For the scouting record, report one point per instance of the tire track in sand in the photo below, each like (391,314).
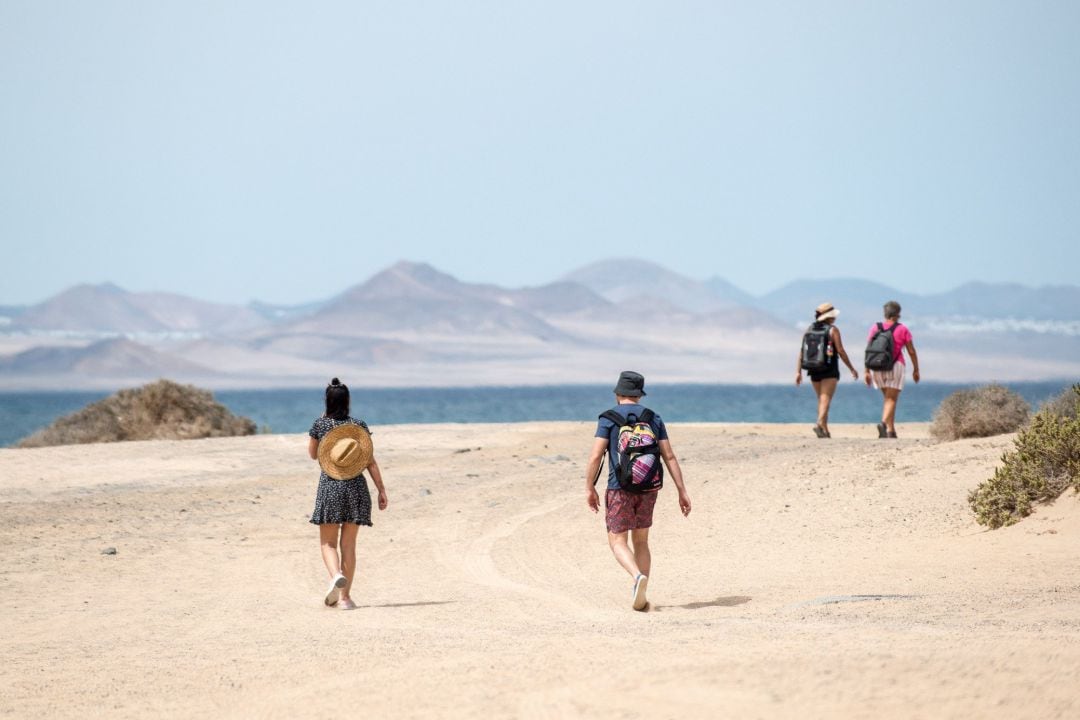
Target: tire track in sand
(479,565)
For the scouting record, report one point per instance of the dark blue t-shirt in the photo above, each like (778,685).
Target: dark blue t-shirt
(607,429)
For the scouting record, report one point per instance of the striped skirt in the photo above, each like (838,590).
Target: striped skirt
(890,378)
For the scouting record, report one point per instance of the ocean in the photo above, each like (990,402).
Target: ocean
(293,410)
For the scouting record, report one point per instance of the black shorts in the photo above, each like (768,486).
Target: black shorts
(833,373)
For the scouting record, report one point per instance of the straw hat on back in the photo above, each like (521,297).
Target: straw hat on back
(345,452)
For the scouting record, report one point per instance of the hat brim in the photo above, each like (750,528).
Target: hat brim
(831,315)
(626,392)
(354,468)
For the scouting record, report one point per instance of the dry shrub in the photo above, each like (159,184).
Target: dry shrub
(1044,463)
(162,410)
(1063,406)
(979,412)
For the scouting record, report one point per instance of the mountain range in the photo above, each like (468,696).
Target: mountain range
(412,324)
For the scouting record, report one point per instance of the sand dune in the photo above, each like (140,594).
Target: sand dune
(840,578)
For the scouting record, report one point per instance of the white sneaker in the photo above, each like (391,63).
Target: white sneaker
(334,592)
(640,583)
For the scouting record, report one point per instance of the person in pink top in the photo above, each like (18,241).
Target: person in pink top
(891,382)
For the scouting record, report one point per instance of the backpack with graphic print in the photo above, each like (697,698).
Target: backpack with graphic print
(637,450)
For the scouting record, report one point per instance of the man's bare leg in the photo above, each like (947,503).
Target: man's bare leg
(623,553)
(642,554)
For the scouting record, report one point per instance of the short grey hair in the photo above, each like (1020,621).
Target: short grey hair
(892,310)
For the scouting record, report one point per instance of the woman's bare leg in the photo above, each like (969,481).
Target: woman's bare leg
(825,390)
(328,543)
(888,409)
(348,556)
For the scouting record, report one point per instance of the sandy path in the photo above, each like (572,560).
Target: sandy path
(487,589)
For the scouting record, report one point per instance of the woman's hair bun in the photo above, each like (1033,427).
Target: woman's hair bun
(335,381)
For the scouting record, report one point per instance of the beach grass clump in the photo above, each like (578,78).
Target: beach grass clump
(1044,463)
(162,410)
(979,412)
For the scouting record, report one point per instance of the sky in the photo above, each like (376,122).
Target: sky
(285,151)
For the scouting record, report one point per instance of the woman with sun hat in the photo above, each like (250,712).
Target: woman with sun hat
(825,379)
(342,445)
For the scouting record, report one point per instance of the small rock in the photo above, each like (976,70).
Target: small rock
(462,450)
(425,491)
(109,551)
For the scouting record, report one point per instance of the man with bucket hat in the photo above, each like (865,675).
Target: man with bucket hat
(635,440)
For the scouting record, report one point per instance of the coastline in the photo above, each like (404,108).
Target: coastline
(843,577)
(291,410)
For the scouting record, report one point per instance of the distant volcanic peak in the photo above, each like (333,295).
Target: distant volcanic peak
(92,308)
(121,356)
(616,270)
(112,357)
(88,290)
(110,288)
(558,297)
(408,280)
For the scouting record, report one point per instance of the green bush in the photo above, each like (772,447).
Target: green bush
(979,412)
(1044,463)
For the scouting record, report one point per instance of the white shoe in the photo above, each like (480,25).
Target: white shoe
(334,592)
(640,583)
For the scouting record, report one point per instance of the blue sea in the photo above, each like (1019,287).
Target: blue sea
(292,410)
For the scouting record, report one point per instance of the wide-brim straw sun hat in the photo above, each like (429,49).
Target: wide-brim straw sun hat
(345,452)
(825,311)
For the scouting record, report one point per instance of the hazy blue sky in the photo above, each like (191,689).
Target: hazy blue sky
(283,151)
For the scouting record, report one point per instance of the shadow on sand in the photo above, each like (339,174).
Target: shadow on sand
(729,601)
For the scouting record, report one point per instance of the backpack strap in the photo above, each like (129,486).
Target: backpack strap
(646,416)
(600,469)
(614,417)
(619,421)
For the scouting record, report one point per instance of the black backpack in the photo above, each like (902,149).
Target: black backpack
(816,344)
(879,351)
(637,450)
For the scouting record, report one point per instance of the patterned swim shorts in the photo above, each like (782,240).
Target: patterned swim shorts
(629,511)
